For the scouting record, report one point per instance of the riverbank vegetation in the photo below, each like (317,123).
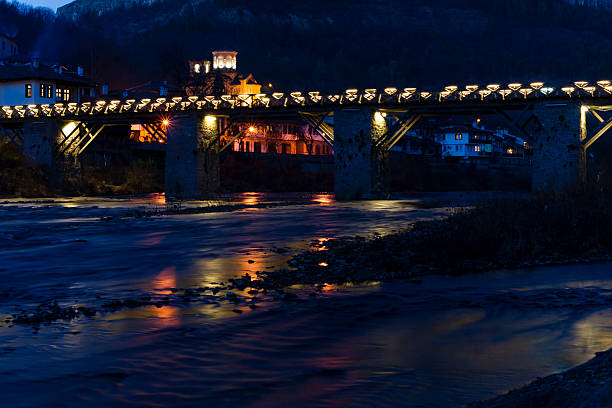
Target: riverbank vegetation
(502,234)
(17,178)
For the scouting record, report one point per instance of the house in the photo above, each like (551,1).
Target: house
(34,83)
(417,143)
(8,47)
(469,141)
(477,142)
(277,137)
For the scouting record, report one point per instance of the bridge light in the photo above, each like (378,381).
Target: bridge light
(166,122)
(547,91)
(581,84)
(252,129)
(536,85)
(584,109)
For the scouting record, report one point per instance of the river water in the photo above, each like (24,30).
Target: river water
(393,344)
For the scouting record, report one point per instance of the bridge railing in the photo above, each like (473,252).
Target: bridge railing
(387,96)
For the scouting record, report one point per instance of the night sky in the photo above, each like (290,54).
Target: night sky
(53,4)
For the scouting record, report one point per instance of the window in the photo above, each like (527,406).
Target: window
(58,93)
(46,90)
(457,148)
(196,68)
(66,95)
(476,148)
(28,90)
(459,136)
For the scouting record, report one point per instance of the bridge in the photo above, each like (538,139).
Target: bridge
(561,121)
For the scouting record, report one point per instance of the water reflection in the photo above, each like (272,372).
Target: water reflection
(166,280)
(251,198)
(377,345)
(323,198)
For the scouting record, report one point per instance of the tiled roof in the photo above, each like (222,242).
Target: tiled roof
(15,72)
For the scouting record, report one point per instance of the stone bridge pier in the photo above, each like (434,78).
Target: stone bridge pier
(559,159)
(45,144)
(361,169)
(192,157)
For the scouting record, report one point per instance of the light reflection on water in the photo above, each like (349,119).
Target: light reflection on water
(349,346)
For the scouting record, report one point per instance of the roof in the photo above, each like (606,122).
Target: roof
(9,39)
(20,71)
(464,129)
(240,77)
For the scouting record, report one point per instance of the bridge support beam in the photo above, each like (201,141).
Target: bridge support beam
(559,160)
(41,146)
(192,157)
(361,169)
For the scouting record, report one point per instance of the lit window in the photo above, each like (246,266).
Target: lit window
(49,91)
(43,89)
(58,93)
(196,68)
(476,148)
(66,95)
(28,90)
(459,136)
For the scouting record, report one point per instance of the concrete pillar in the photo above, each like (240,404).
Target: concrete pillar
(41,140)
(38,139)
(559,160)
(192,157)
(361,169)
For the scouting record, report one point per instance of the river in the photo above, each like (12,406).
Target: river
(393,344)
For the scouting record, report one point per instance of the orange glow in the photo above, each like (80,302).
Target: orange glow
(252,129)
(165,122)
(165,280)
(251,198)
(324,264)
(323,199)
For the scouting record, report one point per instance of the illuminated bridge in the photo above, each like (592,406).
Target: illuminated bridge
(560,121)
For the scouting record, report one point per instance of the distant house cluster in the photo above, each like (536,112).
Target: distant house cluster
(277,137)
(469,142)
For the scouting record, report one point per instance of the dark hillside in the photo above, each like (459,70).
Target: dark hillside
(312,44)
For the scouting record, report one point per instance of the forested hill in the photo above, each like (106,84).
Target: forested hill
(316,44)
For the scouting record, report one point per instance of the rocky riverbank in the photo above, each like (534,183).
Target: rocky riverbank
(588,385)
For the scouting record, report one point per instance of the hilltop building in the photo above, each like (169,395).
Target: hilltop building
(220,77)
(8,47)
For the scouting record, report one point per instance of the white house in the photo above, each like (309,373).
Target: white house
(30,82)
(8,47)
(469,141)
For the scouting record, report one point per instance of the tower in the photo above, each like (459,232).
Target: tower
(224,60)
